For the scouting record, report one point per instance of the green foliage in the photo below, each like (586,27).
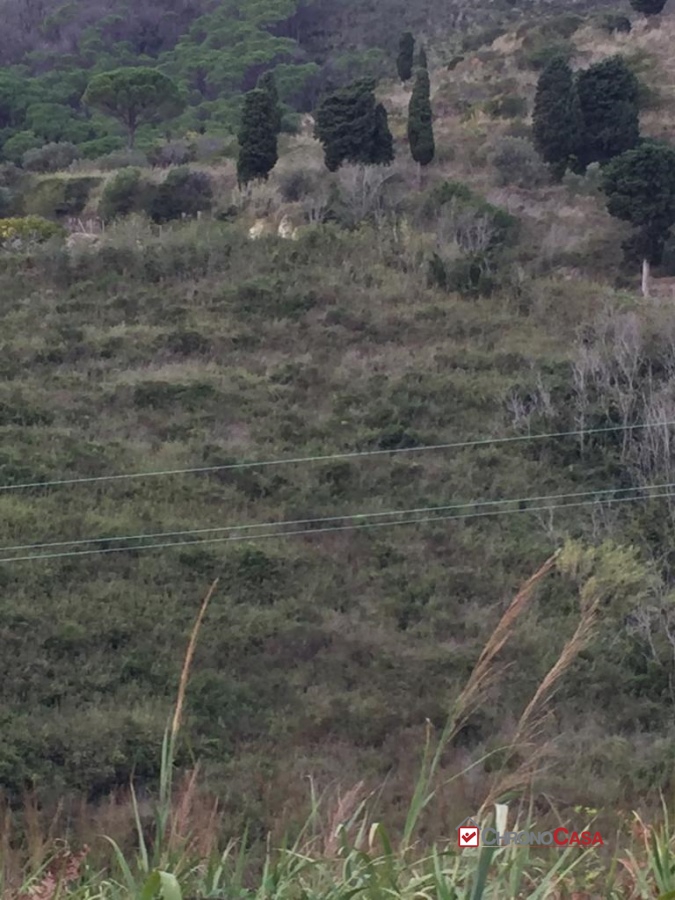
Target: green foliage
(134,96)
(420,122)
(55,198)
(404,60)
(50,158)
(124,193)
(510,106)
(640,189)
(19,232)
(353,127)
(57,123)
(648,7)
(20,143)
(267,82)
(171,153)
(258,136)
(614,23)
(422,62)
(608,94)
(517,162)
(557,124)
(183,192)
(473,237)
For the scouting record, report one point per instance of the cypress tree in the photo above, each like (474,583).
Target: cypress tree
(353,127)
(608,95)
(404,61)
(648,7)
(420,128)
(382,145)
(257,137)
(557,122)
(267,82)
(422,59)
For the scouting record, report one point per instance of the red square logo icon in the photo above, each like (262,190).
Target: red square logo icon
(468,836)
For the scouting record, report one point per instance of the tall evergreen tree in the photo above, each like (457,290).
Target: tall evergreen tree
(420,127)
(557,122)
(608,95)
(640,189)
(257,137)
(267,82)
(648,7)
(382,146)
(353,127)
(404,60)
(422,59)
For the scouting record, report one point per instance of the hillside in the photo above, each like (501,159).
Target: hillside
(213,51)
(187,345)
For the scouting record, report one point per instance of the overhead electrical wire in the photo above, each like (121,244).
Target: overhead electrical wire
(337,528)
(284,523)
(458,445)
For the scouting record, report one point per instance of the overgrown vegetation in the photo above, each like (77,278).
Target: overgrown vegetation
(159,317)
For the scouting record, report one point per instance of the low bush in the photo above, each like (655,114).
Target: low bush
(587,184)
(55,197)
(538,51)
(171,153)
(295,184)
(184,192)
(614,23)
(510,106)
(51,157)
(126,192)
(122,159)
(18,232)
(207,147)
(516,162)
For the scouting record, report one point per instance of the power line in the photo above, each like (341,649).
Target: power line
(314,531)
(485,442)
(325,519)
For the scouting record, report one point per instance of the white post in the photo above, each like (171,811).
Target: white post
(645,278)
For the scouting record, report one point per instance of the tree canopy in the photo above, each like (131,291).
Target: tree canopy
(353,127)
(134,96)
(267,82)
(608,94)
(640,189)
(404,60)
(420,126)
(257,137)
(648,7)
(557,121)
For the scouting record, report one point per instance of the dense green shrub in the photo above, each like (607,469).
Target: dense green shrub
(17,232)
(58,196)
(126,192)
(184,192)
(614,23)
(99,147)
(171,153)
(537,54)
(122,159)
(51,157)
(14,148)
(517,162)
(509,106)
(294,184)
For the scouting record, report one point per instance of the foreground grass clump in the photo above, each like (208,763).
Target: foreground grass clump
(343,850)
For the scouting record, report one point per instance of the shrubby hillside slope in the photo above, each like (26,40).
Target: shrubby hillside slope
(158,344)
